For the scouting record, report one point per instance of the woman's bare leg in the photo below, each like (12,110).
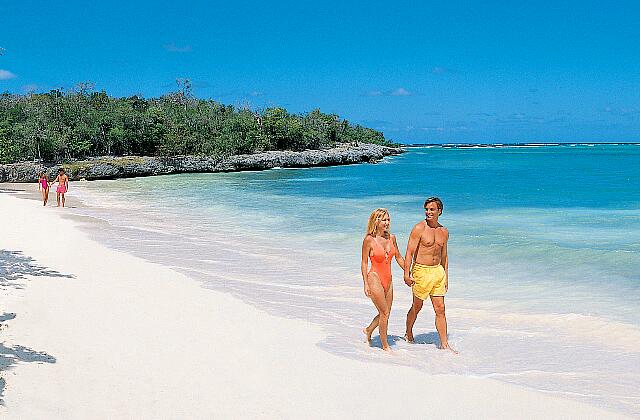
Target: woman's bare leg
(369,330)
(376,320)
(389,297)
(380,301)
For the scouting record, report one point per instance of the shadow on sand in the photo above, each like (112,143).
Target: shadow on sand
(10,356)
(15,266)
(392,339)
(427,338)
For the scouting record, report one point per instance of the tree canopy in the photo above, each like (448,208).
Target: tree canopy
(58,126)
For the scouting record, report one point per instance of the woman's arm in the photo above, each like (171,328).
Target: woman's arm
(364,264)
(398,255)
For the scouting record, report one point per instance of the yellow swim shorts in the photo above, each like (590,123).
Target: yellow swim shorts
(429,280)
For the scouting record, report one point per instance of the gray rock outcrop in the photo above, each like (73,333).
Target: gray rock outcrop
(134,166)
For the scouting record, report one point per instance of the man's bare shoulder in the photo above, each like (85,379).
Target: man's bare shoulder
(444,230)
(418,227)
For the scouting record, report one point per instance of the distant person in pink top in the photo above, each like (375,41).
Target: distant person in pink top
(43,186)
(63,186)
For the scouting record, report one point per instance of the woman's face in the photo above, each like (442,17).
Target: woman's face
(383,224)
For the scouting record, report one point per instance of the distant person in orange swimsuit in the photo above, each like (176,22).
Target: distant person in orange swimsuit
(63,186)
(380,247)
(43,186)
(426,269)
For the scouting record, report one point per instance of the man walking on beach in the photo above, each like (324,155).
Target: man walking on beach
(63,185)
(426,269)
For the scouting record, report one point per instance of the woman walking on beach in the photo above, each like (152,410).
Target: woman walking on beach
(43,185)
(380,247)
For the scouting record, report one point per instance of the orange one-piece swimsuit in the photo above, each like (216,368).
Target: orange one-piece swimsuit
(381,265)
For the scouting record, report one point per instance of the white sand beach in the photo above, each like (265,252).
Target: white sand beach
(102,334)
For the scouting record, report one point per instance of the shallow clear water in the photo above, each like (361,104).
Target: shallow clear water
(544,255)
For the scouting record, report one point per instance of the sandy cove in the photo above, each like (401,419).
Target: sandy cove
(98,333)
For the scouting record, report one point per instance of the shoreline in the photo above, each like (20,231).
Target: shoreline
(515,145)
(101,332)
(138,166)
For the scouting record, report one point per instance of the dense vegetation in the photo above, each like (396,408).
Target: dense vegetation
(59,126)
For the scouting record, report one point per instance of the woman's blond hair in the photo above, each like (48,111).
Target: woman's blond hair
(376,216)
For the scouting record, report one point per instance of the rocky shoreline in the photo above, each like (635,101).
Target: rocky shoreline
(135,166)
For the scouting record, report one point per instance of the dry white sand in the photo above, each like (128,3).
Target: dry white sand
(124,338)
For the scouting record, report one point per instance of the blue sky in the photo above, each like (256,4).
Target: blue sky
(432,72)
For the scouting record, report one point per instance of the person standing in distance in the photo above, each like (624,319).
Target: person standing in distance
(426,269)
(63,185)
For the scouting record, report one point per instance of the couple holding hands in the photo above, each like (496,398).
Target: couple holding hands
(63,185)
(425,265)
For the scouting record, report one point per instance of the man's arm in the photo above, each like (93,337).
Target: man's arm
(396,252)
(445,260)
(412,245)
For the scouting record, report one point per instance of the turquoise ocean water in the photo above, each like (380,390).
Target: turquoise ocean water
(544,255)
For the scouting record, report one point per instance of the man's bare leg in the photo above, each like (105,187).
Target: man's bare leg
(62,200)
(412,315)
(441,322)
(58,199)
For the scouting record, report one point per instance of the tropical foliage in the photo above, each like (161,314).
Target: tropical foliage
(58,125)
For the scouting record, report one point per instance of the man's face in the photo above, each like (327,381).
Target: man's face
(432,212)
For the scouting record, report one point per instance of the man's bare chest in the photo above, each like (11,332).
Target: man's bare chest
(432,239)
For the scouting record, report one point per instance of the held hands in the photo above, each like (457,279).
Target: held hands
(408,280)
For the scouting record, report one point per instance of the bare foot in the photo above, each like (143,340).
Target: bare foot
(387,349)
(367,333)
(446,347)
(408,337)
